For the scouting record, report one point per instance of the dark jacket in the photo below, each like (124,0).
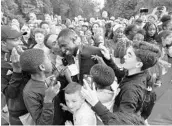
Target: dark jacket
(132,90)
(12,87)
(118,118)
(33,95)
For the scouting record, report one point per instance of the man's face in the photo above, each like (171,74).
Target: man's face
(39,38)
(51,42)
(46,28)
(130,59)
(74,101)
(11,43)
(67,44)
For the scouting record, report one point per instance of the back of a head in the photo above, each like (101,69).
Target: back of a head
(72,87)
(31,59)
(102,75)
(128,29)
(66,33)
(147,53)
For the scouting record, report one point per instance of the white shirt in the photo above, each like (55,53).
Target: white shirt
(84,116)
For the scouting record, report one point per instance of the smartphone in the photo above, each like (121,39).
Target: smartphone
(89,80)
(51,79)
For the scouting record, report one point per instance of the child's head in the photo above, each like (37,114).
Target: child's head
(39,35)
(139,36)
(141,56)
(45,25)
(151,29)
(73,96)
(35,61)
(102,75)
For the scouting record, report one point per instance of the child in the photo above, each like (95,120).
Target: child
(139,36)
(39,38)
(82,112)
(38,96)
(104,78)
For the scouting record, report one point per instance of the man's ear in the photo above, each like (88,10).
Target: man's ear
(42,67)
(139,65)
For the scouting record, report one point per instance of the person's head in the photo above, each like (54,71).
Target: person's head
(39,35)
(25,28)
(165,38)
(95,26)
(10,38)
(50,41)
(102,75)
(118,31)
(88,33)
(130,31)
(150,29)
(85,26)
(32,16)
(35,61)
(68,41)
(141,56)
(152,18)
(73,96)
(139,36)
(45,26)
(139,22)
(48,18)
(166,22)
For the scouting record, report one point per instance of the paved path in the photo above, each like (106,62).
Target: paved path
(162,111)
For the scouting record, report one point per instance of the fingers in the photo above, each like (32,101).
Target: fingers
(86,85)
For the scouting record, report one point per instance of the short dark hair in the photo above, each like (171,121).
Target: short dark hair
(141,31)
(165,20)
(31,59)
(147,53)
(102,75)
(46,40)
(66,32)
(43,22)
(72,87)
(129,28)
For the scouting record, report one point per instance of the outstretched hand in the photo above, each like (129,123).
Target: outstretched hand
(105,52)
(98,58)
(15,58)
(89,94)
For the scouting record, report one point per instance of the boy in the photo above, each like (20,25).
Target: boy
(82,112)
(38,96)
(104,79)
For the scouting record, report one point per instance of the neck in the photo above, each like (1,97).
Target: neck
(39,76)
(133,71)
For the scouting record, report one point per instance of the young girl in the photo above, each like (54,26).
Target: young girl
(151,32)
(39,38)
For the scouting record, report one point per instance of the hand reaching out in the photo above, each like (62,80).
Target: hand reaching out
(89,94)
(98,58)
(15,58)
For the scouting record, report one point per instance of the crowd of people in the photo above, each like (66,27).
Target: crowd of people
(84,71)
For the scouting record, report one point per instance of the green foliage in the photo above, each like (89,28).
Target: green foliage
(70,8)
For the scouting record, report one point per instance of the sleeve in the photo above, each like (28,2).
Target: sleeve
(118,72)
(129,101)
(11,88)
(103,113)
(42,113)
